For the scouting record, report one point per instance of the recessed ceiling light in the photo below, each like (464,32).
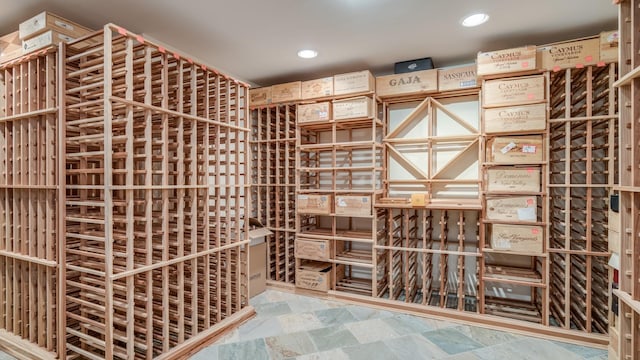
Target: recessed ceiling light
(307,54)
(475,20)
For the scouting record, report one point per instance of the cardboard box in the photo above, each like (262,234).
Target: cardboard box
(456,78)
(260,96)
(570,54)
(353,108)
(514,208)
(43,40)
(507,61)
(258,260)
(314,275)
(353,205)
(47,21)
(517,238)
(515,118)
(417,82)
(353,82)
(317,88)
(514,91)
(314,112)
(515,149)
(10,47)
(313,249)
(419,200)
(286,92)
(314,204)
(609,46)
(257,269)
(513,179)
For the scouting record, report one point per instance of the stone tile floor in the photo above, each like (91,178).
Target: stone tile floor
(290,326)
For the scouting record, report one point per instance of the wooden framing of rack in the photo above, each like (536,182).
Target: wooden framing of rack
(629,150)
(29,191)
(628,341)
(405,257)
(432,255)
(156,234)
(583,171)
(625,328)
(434,139)
(432,248)
(273,129)
(154,153)
(400,250)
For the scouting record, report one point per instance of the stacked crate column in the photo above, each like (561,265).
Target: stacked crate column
(514,269)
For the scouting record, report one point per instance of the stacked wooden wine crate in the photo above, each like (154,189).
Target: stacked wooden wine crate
(514,267)
(39,32)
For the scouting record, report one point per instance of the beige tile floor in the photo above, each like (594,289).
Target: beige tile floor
(290,326)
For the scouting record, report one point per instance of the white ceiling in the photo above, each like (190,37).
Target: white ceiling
(257,40)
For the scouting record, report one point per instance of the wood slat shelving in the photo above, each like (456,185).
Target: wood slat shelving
(344,157)
(582,171)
